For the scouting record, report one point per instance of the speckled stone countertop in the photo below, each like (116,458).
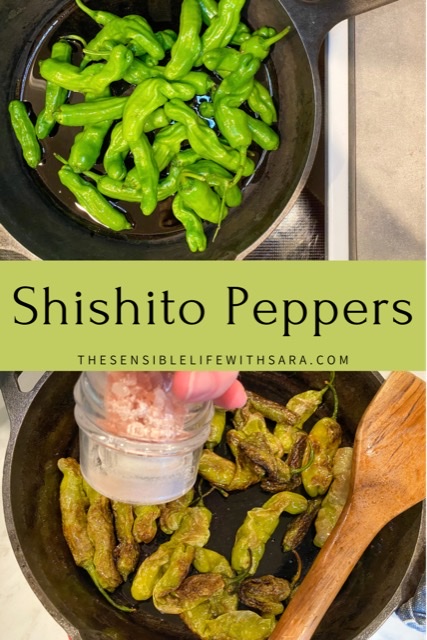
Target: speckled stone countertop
(389,132)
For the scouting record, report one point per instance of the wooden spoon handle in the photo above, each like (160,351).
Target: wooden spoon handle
(327,574)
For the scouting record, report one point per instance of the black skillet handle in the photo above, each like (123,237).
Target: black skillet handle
(314,18)
(17,401)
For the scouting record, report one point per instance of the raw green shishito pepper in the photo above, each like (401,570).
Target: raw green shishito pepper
(95,204)
(25,133)
(55,95)
(186,50)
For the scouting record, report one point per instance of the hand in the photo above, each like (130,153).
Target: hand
(220,386)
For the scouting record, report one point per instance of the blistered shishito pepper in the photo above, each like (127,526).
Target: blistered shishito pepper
(25,133)
(178,567)
(172,513)
(258,450)
(217,605)
(240,624)
(334,501)
(270,409)
(167,144)
(116,153)
(193,530)
(299,527)
(265,594)
(74,503)
(257,528)
(127,551)
(150,571)
(148,172)
(193,591)
(251,421)
(302,406)
(324,438)
(204,140)
(100,529)
(186,50)
(259,46)
(223,26)
(194,232)
(200,198)
(55,95)
(209,561)
(84,113)
(95,204)
(145,523)
(217,428)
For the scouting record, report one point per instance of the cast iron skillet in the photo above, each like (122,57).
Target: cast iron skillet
(43,430)
(43,224)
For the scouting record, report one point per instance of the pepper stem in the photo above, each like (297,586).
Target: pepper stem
(92,572)
(278,36)
(308,463)
(76,38)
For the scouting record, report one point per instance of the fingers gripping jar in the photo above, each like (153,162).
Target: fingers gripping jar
(138,443)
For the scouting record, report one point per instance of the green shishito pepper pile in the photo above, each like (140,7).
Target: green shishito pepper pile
(164,550)
(183,125)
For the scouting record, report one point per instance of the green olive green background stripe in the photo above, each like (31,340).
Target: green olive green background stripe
(379,308)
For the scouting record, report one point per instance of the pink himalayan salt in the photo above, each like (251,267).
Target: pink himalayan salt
(139,405)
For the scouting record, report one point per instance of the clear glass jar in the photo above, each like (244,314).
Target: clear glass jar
(132,449)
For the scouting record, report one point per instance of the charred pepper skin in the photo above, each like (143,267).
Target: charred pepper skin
(325,438)
(73,502)
(257,528)
(55,95)
(25,133)
(127,551)
(186,50)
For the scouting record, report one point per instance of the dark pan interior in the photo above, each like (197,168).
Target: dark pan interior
(48,432)
(43,224)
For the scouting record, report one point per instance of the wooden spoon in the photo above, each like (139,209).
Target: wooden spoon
(388,477)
